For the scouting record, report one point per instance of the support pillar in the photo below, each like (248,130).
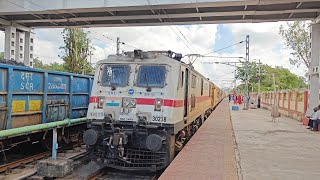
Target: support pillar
(28,52)
(10,43)
(20,39)
(314,69)
(54,144)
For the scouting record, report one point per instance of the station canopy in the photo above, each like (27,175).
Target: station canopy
(118,13)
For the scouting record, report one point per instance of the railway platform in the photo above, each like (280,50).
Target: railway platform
(210,153)
(246,144)
(279,150)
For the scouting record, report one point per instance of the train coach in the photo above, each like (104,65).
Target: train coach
(31,96)
(144,107)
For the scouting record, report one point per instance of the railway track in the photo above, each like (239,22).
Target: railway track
(24,161)
(27,166)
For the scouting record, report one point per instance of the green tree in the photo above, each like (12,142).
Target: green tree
(297,38)
(76,48)
(1,55)
(284,78)
(55,67)
(37,63)
(52,66)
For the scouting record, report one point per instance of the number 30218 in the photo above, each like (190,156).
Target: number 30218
(159,119)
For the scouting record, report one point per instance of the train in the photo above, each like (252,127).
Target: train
(144,107)
(31,96)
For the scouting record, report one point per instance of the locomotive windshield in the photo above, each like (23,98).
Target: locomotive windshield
(115,75)
(151,76)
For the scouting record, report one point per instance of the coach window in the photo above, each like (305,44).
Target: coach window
(193,81)
(182,78)
(115,75)
(201,86)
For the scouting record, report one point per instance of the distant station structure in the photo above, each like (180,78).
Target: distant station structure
(18,17)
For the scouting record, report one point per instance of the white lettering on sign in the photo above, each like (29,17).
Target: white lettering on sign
(149,94)
(57,86)
(25,84)
(126,119)
(111,93)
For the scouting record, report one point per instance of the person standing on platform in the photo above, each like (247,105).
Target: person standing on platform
(229,98)
(315,120)
(239,99)
(234,99)
(310,123)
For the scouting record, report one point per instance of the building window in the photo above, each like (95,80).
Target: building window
(30,63)
(21,48)
(31,48)
(20,55)
(21,40)
(12,43)
(12,52)
(31,55)
(31,40)
(12,35)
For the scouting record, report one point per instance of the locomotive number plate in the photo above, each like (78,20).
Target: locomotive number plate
(159,119)
(96,115)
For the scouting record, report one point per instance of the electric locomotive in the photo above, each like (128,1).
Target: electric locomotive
(144,106)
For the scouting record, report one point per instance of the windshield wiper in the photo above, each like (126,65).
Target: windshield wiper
(147,81)
(114,86)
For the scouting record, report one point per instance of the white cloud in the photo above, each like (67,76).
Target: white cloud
(265,44)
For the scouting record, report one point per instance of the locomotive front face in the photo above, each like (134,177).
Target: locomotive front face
(132,93)
(129,111)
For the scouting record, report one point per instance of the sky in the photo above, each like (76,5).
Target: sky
(265,44)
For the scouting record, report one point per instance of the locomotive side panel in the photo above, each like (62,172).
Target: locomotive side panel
(200,100)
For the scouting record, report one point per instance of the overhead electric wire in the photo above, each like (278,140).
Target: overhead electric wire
(224,48)
(225,74)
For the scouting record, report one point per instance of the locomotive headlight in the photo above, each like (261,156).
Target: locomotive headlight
(129,102)
(133,102)
(101,102)
(157,104)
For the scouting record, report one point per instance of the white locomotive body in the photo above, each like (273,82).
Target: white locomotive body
(143,108)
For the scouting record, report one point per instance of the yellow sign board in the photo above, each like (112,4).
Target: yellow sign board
(18,106)
(34,105)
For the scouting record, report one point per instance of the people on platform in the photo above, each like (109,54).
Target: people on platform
(239,99)
(315,119)
(310,123)
(235,99)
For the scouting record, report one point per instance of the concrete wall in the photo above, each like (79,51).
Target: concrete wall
(292,104)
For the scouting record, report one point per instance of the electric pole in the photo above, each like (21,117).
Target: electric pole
(259,98)
(246,107)
(118,46)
